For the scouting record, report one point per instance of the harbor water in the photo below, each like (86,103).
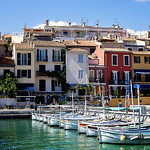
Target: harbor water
(27,134)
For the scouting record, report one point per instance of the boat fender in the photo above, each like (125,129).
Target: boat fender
(122,138)
(140,136)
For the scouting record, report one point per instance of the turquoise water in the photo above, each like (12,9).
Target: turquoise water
(33,135)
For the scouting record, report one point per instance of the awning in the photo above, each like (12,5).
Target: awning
(72,85)
(25,87)
(141,71)
(142,86)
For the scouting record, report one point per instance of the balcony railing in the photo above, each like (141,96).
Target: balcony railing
(42,58)
(57,59)
(119,82)
(41,73)
(142,79)
(95,80)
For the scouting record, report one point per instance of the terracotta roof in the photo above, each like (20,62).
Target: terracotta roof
(7,62)
(3,42)
(7,35)
(128,39)
(78,50)
(48,43)
(141,52)
(23,46)
(79,43)
(116,50)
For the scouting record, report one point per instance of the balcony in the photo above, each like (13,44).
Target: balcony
(142,79)
(42,59)
(119,82)
(95,80)
(41,73)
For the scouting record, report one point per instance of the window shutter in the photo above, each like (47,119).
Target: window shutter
(62,55)
(52,86)
(149,60)
(111,75)
(29,73)
(46,55)
(29,58)
(37,54)
(18,58)
(139,59)
(130,75)
(134,59)
(123,77)
(18,73)
(53,55)
(111,90)
(118,73)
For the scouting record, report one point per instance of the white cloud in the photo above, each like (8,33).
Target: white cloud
(53,23)
(137,33)
(142,0)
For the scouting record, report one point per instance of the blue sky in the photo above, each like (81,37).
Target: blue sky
(131,14)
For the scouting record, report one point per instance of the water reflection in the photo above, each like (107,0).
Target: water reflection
(28,134)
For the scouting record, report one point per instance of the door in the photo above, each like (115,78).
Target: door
(115,77)
(91,75)
(126,77)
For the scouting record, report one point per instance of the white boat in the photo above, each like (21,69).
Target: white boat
(33,116)
(124,136)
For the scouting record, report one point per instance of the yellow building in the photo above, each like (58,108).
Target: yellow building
(141,71)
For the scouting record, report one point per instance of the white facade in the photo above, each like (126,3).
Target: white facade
(73,68)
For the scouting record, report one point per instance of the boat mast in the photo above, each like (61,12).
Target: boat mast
(132,102)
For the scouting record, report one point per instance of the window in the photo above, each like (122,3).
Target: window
(42,85)
(80,58)
(5,72)
(65,33)
(24,59)
(57,56)
(56,85)
(92,51)
(126,60)
(57,68)
(130,49)
(42,55)
(115,60)
(140,49)
(24,73)
(42,68)
(136,59)
(80,74)
(147,60)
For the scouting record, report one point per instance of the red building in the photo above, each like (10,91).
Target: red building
(117,64)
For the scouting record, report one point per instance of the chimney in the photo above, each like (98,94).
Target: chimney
(83,25)
(97,25)
(69,23)
(0,35)
(47,20)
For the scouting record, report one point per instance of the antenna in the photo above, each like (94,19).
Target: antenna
(25,24)
(82,20)
(116,20)
(86,22)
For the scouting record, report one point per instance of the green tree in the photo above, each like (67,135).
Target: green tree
(8,85)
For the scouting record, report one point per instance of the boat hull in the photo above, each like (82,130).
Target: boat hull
(124,138)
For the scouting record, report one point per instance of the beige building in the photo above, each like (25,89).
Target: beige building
(49,57)
(23,55)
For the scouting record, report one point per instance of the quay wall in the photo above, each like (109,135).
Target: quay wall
(114,102)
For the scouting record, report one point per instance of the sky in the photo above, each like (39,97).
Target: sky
(129,14)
